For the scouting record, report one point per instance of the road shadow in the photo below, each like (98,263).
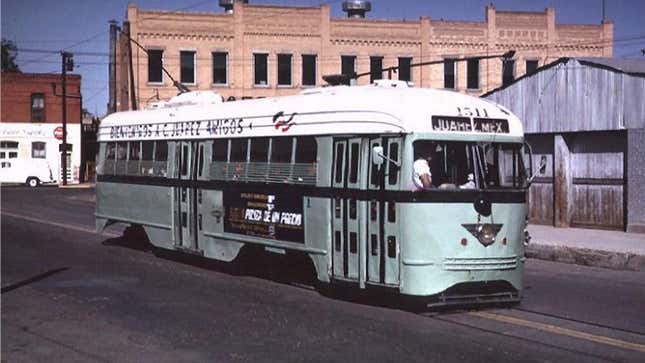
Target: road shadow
(294,269)
(133,238)
(32,279)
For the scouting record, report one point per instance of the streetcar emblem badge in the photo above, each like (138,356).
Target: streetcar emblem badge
(283,123)
(486,233)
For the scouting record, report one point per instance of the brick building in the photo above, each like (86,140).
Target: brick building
(32,115)
(259,51)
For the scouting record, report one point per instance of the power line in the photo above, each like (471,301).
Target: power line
(67,48)
(45,51)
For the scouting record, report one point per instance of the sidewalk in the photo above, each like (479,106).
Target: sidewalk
(590,247)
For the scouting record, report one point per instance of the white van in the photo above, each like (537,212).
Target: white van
(32,172)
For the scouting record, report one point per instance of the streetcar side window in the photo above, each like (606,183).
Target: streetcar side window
(353,163)
(160,166)
(121,150)
(146,150)
(281,148)
(239,149)
(340,152)
(121,158)
(220,150)
(110,151)
(374,173)
(134,157)
(306,150)
(110,155)
(219,166)
(135,150)
(306,170)
(259,150)
(147,153)
(184,160)
(393,170)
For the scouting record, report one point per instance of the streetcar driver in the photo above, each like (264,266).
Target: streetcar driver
(422,177)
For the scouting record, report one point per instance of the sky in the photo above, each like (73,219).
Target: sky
(82,26)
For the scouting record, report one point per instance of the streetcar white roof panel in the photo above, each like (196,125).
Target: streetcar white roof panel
(374,109)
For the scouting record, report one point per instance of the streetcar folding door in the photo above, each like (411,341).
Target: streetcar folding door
(383,249)
(187,197)
(347,210)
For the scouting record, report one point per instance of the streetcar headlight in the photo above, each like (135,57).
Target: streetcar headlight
(487,234)
(484,232)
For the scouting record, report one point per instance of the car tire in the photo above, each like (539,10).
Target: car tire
(33,182)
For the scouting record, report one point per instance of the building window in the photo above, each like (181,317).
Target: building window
(405,69)
(508,71)
(449,73)
(376,68)
(261,76)
(220,60)
(284,69)
(8,144)
(37,107)
(531,66)
(473,74)
(155,57)
(187,65)
(38,150)
(309,70)
(348,65)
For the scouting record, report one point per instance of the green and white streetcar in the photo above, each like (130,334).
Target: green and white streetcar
(330,173)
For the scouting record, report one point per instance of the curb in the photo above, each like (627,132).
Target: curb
(587,257)
(77,186)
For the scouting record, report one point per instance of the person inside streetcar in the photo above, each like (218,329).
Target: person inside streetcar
(422,176)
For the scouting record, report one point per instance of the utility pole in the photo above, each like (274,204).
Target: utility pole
(133,96)
(67,65)
(113,30)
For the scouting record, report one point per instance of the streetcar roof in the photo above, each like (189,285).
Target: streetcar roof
(387,107)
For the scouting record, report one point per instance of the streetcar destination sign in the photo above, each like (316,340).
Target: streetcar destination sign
(465,124)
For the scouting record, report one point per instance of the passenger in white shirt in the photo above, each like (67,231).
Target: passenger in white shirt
(422,177)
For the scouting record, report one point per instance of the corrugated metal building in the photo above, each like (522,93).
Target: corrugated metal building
(587,116)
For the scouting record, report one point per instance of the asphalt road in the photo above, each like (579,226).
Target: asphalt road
(69,294)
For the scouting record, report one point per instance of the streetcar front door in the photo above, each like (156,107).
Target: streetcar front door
(187,197)
(383,249)
(348,237)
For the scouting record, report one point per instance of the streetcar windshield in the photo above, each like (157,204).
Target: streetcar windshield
(473,165)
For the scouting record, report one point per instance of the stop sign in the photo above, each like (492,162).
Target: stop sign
(58,133)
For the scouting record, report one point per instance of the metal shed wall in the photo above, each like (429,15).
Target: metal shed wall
(572,97)
(579,113)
